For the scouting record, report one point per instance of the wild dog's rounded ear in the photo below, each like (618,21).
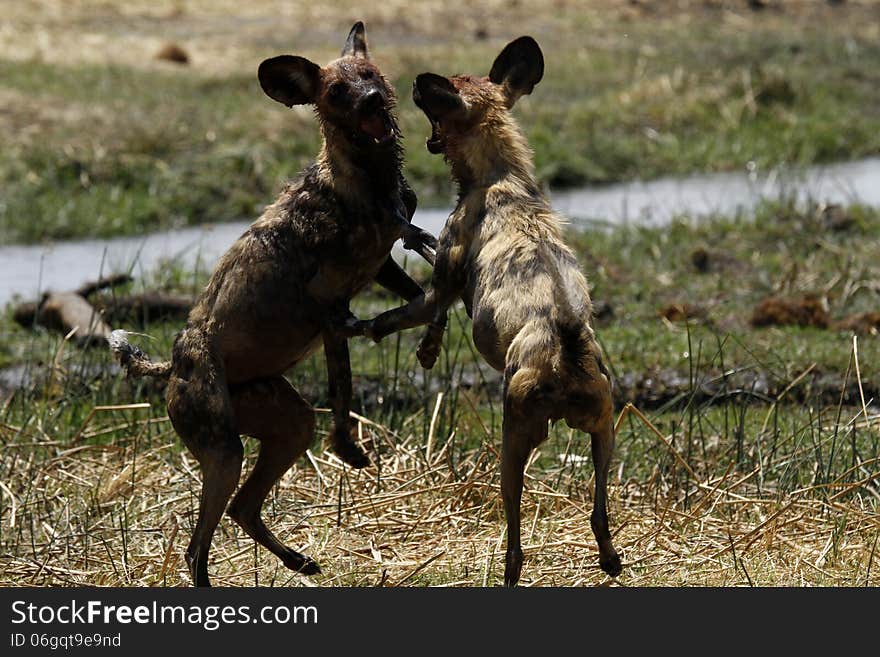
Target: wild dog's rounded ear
(290,80)
(356,43)
(436,95)
(519,67)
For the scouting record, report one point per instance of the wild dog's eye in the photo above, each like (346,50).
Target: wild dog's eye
(367,74)
(337,90)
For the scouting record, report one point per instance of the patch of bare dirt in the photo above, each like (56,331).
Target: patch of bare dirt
(808,310)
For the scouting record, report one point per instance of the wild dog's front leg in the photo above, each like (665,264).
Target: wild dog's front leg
(414,238)
(393,278)
(416,313)
(421,241)
(339,384)
(409,198)
(448,282)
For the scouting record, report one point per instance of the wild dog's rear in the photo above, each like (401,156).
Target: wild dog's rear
(502,252)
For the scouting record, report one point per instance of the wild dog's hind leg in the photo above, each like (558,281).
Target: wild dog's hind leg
(524,427)
(591,411)
(284,423)
(221,467)
(602,444)
(201,413)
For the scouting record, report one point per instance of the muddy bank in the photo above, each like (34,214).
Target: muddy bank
(669,389)
(666,389)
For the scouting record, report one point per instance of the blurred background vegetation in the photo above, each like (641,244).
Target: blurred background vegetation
(128,117)
(106,131)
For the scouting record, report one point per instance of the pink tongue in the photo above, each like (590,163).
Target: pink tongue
(374,126)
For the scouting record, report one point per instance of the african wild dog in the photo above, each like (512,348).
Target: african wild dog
(501,251)
(282,288)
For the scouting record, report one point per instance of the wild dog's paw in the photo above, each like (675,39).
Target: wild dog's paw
(347,450)
(309,567)
(428,351)
(342,321)
(351,454)
(420,241)
(366,328)
(352,327)
(429,347)
(301,564)
(513,563)
(415,238)
(610,563)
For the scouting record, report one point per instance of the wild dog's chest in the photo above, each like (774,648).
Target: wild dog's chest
(461,238)
(356,244)
(366,234)
(370,235)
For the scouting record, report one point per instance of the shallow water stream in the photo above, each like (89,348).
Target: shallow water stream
(27,271)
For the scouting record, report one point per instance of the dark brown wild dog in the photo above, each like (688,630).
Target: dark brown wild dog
(501,251)
(283,288)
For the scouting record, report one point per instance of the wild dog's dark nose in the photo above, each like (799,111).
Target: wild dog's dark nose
(371,101)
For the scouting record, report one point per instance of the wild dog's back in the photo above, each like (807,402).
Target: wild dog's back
(522,278)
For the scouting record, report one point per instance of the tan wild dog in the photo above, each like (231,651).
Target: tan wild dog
(282,289)
(502,252)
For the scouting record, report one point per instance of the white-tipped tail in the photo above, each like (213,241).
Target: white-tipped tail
(134,361)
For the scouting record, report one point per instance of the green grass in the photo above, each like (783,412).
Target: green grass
(100,150)
(636,271)
(778,251)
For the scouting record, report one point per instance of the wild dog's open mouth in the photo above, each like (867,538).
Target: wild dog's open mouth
(435,142)
(378,127)
(437,97)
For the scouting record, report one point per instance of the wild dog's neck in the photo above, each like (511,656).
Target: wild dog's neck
(494,151)
(356,173)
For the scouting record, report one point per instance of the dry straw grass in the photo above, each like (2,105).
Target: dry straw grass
(120,513)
